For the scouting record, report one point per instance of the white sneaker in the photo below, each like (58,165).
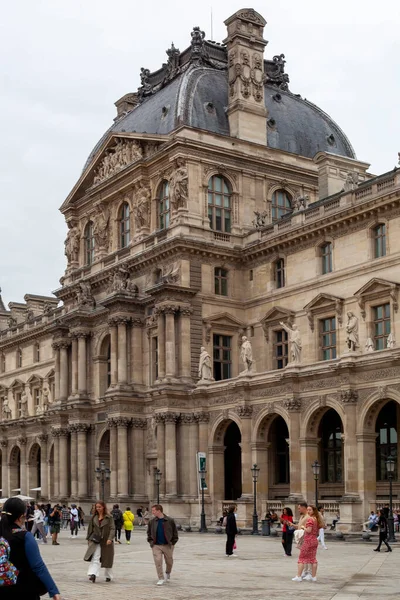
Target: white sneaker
(313,579)
(160,582)
(325,547)
(167,577)
(307,577)
(297,579)
(233,555)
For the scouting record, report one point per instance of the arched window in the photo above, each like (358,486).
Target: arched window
(326,258)
(279,273)
(332,447)
(89,244)
(124,226)
(379,240)
(281,204)
(163,208)
(219,204)
(386,440)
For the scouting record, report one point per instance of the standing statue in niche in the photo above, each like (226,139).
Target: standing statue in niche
(352,338)
(294,341)
(179,185)
(141,209)
(72,244)
(205,366)
(6,409)
(391,342)
(246,354)
(100,227)
(24,404)
(369,345)
(84,295)
(45,398)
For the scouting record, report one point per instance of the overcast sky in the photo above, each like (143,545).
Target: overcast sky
(65,63)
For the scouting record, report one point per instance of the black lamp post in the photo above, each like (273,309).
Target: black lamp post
(255,471)
(390,465)
(316,467)
(203,526)
(158,475)
(102,475)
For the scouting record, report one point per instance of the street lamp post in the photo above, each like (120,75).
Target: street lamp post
(390,465)
(203,526)
(255,471)
(316,467)
(102,475)
(158,475)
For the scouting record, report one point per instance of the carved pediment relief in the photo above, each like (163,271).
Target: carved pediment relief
(273,317)
(321,304)
(116,157)
(377,289)
(224,321)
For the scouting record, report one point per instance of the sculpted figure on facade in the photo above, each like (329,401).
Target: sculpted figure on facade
(121,155)
(246,354)
(72,244)
(261,219)
(141,209)
(84,295)
(45,397)
(122,282)
(351,182)
(352,338)
(179,185)
(300,202)
(171,273)
(205,366)
(391,342)
(294,341)
(11,321)
(6,409)
(100,227)
(369,345)
(24,404)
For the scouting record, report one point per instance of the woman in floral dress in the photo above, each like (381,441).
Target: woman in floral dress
(308,550)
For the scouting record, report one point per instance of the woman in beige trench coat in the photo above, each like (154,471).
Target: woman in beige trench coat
(101,554)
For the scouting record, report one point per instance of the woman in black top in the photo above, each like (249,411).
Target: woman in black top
(231,531)
(383,531)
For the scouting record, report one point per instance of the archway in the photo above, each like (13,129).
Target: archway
(386,446)
(232,462)
(279,460)
(330,455)
(104,455)
(15,471)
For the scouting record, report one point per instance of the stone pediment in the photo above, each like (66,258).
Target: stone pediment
(273,317)
(320,304)
(224,321)
(17,383)
(377,289)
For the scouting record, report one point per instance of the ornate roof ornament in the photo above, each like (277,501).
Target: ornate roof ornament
(172,67)
(199,51)
(275,72)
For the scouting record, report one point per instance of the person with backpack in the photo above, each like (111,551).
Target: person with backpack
(118,521)
(55,523)
(33,578)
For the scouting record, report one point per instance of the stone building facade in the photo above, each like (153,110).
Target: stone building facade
(226,220)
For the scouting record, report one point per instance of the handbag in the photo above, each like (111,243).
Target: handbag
(96,539)
(299,537)
(290,528)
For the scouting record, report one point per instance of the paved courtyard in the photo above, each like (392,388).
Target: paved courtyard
(347,571)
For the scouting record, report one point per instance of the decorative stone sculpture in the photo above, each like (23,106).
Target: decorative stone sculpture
(369,345)
(295,342)
(72,243)
(24,404)
(100,227)
(45,398)
(6,409)
(205,366)
(121,282)
(352,338)
(141,209)
(47,309)
(178,185)
(84,295)
(391,342)
(246,354)
(171,273)
(261,219)
(11,321)
(351,182)
(300,203)
(121,155)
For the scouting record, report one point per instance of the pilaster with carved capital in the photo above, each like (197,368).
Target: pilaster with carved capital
(171,417)
(188,418)
(139,423)
(292,404)
(244,412)
(22,440)
(42,438)
(349,396)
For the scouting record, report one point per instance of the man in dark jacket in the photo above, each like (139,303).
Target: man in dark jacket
(231,531)
(162,536)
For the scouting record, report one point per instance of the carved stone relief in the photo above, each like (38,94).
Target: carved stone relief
(124,153)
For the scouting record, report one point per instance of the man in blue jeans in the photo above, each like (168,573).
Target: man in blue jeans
(162,536)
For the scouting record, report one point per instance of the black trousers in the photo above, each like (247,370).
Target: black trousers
(382,538)
(128,533)
(287,542)
(117,533)
(230,540)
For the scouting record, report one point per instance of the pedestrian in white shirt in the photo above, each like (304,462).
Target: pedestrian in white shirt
(38,523)
(321,532)
(74,523)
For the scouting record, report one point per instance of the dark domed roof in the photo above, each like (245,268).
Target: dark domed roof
(195,93)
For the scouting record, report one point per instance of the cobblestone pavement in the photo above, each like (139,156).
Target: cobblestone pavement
(347,571)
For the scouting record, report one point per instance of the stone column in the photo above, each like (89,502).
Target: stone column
(82,361)
(203,419)
(260,452)
(63,461)
(112,425)
(44,480)
(293,406)
(64,371)
(137,351)
(185,349)
(74,461)
(216,479)
(122,427)
(122,353)
(56,466)
(113,351)
(351,471)
(309,453)
(74,361)
(170,454)
(56,348)
(160,420)
(161,345)
(22,446)
(367,452)
(82,429)
(245,413)
(4,469)
(138,456)
(170,362)
(193,449)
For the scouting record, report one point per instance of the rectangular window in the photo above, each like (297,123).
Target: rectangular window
(222,354)
(280,349)
(326,254)
(381,325)
(37,352)
(18,404)
(154,353)
(380,241)
(221,281)
(251,274)
(36,398)
(280,273)
(328,338)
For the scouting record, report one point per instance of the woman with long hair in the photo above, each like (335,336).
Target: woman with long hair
(100,537)
(383,531)
(33,577)
(308,550)
(287,530)
(38,523)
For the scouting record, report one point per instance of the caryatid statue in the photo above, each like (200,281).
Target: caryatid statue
(246,354)
(294,341)
(205,366)
(352,338)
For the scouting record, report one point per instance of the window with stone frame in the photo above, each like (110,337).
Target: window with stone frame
(222,356)
(124,222)
(18,404)
(332,447)
(89,244)
(279,273)
(381,325)
(2,363)
(36,393)
(379,239)
(386,440)
(221,281)
(36,351)
(163,206)
(219,202)
(281,204)
(328,334)
(154,359)
(19,358)
(326,258)
(281,352)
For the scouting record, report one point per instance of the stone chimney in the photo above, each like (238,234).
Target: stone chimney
(245,43)
(337,173)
